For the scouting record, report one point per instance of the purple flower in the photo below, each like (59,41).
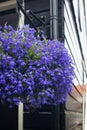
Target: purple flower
(33,71)
(12,63)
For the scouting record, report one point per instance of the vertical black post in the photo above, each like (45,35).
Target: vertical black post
(54,35)
(61,38)
(57,32)
(61,20)
(54,19)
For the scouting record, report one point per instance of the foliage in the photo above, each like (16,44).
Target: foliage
(33,71)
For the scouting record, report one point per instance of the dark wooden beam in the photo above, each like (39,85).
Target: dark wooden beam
(7,5)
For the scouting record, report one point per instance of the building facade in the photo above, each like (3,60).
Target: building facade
(64,20)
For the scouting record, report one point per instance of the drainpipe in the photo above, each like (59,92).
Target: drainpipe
(54,19)
(54,35)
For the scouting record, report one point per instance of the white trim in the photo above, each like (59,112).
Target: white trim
(20,116)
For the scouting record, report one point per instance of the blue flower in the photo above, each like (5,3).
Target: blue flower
(32,70)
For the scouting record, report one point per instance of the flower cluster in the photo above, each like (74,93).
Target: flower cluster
(33,71)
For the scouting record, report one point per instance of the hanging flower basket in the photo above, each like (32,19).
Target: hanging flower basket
(33,71)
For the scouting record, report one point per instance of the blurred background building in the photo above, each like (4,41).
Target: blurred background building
(65,20)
